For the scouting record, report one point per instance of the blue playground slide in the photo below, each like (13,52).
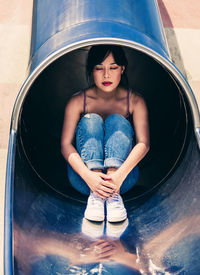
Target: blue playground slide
(45,231)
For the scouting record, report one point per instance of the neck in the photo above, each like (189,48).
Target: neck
(105,95)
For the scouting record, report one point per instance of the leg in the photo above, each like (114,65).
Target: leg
(89,144)
(118,144)
(90,139)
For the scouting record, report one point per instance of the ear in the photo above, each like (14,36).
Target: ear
(123,68)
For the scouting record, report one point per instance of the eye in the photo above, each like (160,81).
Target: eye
(113,68)
(98,68)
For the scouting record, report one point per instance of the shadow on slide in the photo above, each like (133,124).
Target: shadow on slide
(45,232)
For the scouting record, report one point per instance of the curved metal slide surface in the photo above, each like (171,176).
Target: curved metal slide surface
(45,232)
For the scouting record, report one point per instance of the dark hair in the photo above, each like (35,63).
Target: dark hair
(99,53)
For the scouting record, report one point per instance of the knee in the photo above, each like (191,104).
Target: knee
(117,122)
(114,118)
(91,123)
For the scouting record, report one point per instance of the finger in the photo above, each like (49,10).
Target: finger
(105,176)
(109,185)
(101,245)
(106,189)
(104,194)
(98,242)
(100,195)
(105,247)
(106,252)
(100,249)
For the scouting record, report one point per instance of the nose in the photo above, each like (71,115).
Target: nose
(106,73)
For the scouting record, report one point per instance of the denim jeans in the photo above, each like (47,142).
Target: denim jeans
(103,145)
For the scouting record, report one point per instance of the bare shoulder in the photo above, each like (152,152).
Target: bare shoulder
(76,102)
(136,101)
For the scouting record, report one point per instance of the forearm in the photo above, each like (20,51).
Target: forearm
(136,155)
(74,159)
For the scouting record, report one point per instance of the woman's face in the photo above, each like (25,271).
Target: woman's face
(107,75)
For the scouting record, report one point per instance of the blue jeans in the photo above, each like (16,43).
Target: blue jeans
(103,145)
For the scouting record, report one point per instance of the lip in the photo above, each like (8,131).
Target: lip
(106,83)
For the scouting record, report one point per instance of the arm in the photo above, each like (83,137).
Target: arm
(95,180)
(71,118)
(140,120)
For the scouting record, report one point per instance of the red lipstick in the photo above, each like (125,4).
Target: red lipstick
(106,83)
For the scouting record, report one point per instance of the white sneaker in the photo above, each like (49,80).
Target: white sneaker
(95,208)
(115,230)
(116,211)
(92,229)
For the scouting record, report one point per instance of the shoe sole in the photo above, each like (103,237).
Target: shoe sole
(93,218)
(115,219)
(115,230)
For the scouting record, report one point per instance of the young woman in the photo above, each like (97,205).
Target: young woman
(103,163)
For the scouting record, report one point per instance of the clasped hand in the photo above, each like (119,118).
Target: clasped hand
(103,250)
(102,184)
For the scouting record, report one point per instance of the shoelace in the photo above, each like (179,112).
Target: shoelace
(95,200)
(115,200)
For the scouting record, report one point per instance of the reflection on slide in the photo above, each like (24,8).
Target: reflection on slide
(52,252)
(73,251)
(161,235)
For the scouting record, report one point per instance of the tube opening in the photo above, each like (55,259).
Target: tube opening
(42,113)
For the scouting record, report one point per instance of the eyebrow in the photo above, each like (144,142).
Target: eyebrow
(114,63)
